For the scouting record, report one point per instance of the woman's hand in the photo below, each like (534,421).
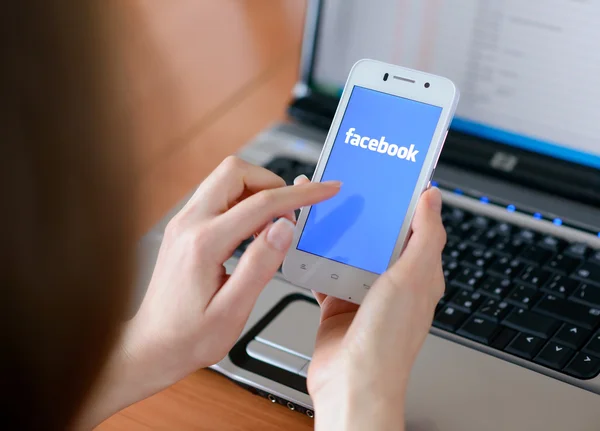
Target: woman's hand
(363,356)
(193,312)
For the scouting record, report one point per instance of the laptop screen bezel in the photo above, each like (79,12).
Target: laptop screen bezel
(488,150)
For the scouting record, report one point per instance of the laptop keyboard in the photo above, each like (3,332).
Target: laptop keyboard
(515,290)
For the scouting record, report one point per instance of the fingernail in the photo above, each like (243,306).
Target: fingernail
(280,234)
(300,177)
(435,200)
(333,183)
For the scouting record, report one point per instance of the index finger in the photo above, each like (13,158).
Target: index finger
(245,218)
(228,183)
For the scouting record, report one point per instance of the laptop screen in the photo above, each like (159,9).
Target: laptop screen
(527,70)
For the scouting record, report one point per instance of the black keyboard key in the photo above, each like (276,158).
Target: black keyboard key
(464,229)
(492,236)
(578,250)
(477,258)
(552,243)
(450,251)
(458,246)
(454,248)
(448,294)
(525,345)
(535,254)
(587,294)
(523,296)
(450,268)
(583,366)
(527,235)
(534,276)
(593,346)
(595,257)
(482,238)
(451,232)
(481,222)
(505,336)
(531,323)
(494,310)
(563,263)
(479,329)
(509,247)
(446,260)
(449,318)
(468,278)
(454,215)
(454,254)
(560,286)
(504,229)
(572,312)
(572,336)
(467,301)
(451,243)
(495,287)
(554,355)
(507,267)
(588,272)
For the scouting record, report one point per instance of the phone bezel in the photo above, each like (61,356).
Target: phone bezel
(353,283)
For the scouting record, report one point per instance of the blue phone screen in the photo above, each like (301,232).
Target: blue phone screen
(378,154)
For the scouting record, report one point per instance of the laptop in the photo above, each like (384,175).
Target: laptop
(515,342)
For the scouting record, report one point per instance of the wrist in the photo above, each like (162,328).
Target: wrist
(129,376)
(347,407)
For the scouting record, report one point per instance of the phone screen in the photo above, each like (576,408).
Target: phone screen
(378,154)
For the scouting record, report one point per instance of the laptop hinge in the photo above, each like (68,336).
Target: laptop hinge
(314,110)
(522,167)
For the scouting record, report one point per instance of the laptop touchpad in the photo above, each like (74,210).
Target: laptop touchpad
(288,340)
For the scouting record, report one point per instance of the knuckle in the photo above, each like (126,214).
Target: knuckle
(261,266)
(393,277)
(195,241)
(424,284)
(266,198)
(173,227)
(280,180)
(232,163)
(199,240)
(179,222)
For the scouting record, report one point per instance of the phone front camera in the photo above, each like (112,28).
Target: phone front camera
(385,76)
(427,85)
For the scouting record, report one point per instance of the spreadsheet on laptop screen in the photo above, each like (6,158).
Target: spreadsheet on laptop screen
(527,70)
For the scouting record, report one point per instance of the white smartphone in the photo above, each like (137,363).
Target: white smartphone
(383,144)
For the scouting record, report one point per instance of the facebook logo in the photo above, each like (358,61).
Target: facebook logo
(380,146)
(378,155)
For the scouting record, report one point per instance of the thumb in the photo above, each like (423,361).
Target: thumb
(255,269)
(421,259)
(428,233)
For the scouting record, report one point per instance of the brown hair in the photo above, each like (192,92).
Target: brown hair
(66,213)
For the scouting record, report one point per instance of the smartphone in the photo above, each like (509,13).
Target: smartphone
(383,145)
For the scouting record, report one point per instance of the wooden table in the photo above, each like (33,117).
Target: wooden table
(206,75)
